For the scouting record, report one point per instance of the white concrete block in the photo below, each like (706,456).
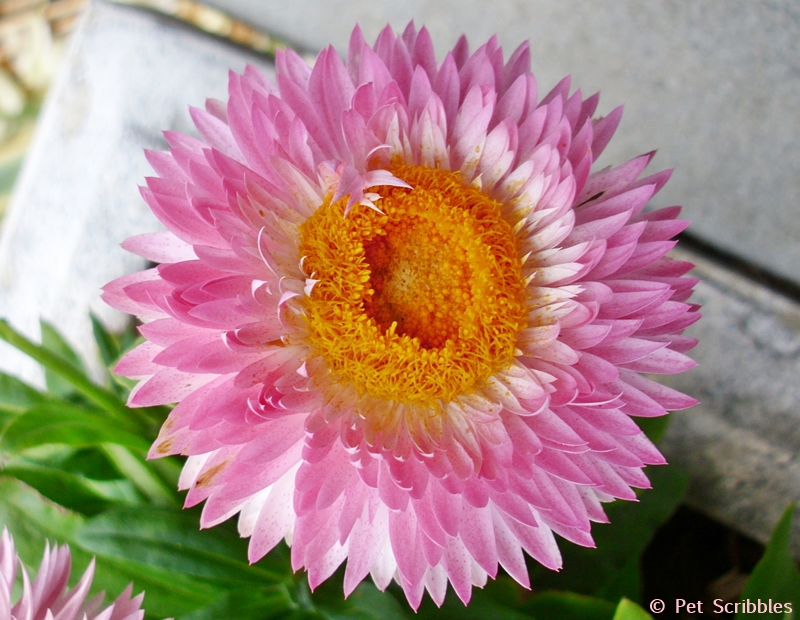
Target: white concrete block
(129,75)
(742,443)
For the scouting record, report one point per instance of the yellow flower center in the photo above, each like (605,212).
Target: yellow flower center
(420,303)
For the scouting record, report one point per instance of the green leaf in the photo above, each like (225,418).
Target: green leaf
(168,470)
(365,603)
(501,598)
(171,540)
(62,423)
(73,491)
(775,578)
(654,428)
(17,396)
(555,605)
(67,370)
(111,347)
(504,598)
(86,462)
(106,343)
(628,610)
(632,525)
(142,474)
(54,342)
(32,520)
(122,385)
(250,603)
(625,583)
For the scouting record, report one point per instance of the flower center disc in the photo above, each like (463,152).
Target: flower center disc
(420,303)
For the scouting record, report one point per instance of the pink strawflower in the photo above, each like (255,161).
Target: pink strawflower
(49,598)
(403,323)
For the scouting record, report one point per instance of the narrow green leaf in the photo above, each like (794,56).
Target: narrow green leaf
(17,396)
(555,605)
(87,462)
(106,343)
(168,470)
(141,474)
(501,598)
(365,603)
(121,384)
(73,491)
(775,579)
(62,423)
(167,595)
(111,346)
(92,462)
(250,603)
(55,343)
(6,417)
(32,520)
(171,540)
(128,339)
(627,583)
(654,428)
(73,374)
(628,610)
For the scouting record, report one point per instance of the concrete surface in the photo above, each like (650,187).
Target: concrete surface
(714,85)
(742,443)
(130,74)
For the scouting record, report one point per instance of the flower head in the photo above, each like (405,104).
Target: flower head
(403,321)
(49,598)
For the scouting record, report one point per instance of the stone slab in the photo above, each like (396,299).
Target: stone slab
(712,84)
(129,75)
(742,443)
